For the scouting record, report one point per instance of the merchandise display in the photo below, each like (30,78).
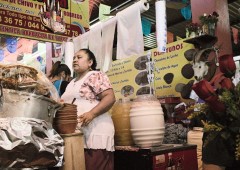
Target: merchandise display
(27,79)
(176,104)
(28,103)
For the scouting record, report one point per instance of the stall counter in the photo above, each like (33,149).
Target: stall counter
(184,157)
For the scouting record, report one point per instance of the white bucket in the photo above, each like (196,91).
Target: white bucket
(147,121)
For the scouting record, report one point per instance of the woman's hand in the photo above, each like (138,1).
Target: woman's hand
(85,118)
(107,99)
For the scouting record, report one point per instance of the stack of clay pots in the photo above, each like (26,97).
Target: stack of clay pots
(65,120)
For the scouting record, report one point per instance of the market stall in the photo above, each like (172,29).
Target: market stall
(153,88)
(31,40)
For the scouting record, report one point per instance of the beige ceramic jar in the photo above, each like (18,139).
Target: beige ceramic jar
(120,116)
(147,121)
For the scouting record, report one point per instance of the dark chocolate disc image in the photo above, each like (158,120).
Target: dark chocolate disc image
(189,54)
(168,78)
(179,87)
(141,79)
(143,90)
(140,63)
(187,71)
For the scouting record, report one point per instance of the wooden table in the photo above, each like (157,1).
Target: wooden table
(73,151)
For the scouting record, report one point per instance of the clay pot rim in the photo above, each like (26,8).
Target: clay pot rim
(67,112)
(68,107)
(65,122)
(69,104)
(65,129)
(67,115)
(61,125)
(62,120)
(70,120)
(65,118)
(61,110)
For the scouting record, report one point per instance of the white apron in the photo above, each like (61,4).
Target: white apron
(99,134)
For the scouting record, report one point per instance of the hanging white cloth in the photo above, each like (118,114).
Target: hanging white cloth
(69,53)
(161,25)
(95,43)
(129,26)
(81,41)
(108,30)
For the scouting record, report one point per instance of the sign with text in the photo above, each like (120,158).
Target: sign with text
(129,76)
(172,71)
(24,19)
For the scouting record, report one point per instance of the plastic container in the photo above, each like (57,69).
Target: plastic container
(147,121)
(120,117)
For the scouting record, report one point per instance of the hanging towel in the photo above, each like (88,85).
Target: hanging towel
(95,43)
(69,53)
(161,26)
(108,30)
(129,27)
(81,41)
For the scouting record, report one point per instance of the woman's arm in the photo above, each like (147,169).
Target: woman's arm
(107,99)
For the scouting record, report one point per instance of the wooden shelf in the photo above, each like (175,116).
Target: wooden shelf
(203,41)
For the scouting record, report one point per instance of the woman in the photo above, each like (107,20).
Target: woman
(94,97)
(60,76)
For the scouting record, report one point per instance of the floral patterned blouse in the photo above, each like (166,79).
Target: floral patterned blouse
(99,134)
(95,84)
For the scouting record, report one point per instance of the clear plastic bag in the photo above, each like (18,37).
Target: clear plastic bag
(28,103)
(25,78)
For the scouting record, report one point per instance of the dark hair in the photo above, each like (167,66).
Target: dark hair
(92,57)
(57,68)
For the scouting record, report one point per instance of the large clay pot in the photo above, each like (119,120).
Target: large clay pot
(147,121)
(120,116)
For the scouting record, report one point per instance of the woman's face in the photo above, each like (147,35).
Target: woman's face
(81,62)
(64,76)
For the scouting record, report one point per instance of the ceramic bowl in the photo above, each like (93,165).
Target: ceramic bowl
(66,112)
(65,127)
(66,117)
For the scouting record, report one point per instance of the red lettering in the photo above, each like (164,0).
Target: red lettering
(178,47)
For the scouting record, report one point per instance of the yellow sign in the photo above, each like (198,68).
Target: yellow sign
(129,76)
(25,19)
(172,69)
